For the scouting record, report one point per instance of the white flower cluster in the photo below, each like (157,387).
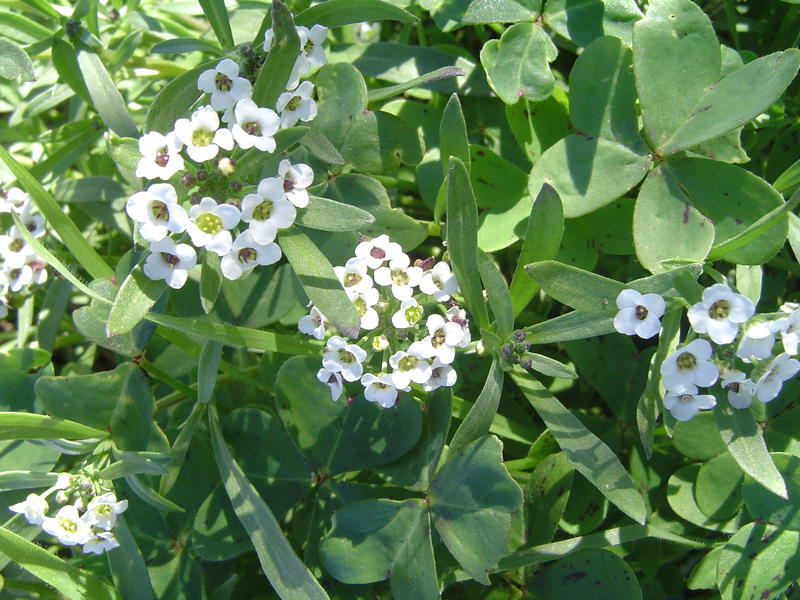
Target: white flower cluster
(87,521)
(723,316)
(20,266)
(213,208)
(391,295)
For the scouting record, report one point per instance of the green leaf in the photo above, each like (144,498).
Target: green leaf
(61,224)
(210,281)
(747,562)
(175,99)
(127,565)
(22,480)
(27,426)
(517,65)
(676,57)
(479,418)
(135,463)
(286,573)
(236,336)
(666,226)
(495,180)
(376,95)
(718,488)
(698,437)
(582,22)
(336,13)
(576,325)
(768,508)
(598,573)
(587,453)
(217,16)
(538,125)
(740,432)
(735,99)
(70,581)
(207,367)
(184,46)
(276,70)
(14,62)
(136,296)
(106,98)
(462,241)
(452,14)
(329,215)
(319,281)
(588,172)
(549,488)
(472,497)
(498,295)
(150,496)
(681,499)
(66,63)
(788,181)
(452,142)
(550,367)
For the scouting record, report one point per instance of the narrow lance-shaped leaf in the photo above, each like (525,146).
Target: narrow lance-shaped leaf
(217,16)
(28,426)
(336,13)
(275,72)
(587,453)
(497,293)
(462,239)
(207,366)
(210,281)
(290,578)
(127,565)
(480,416)
(395,90)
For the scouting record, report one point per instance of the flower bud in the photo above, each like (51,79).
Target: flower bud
(195,198)
(226,166)
(72,27)
(507,350)
(61,497)
(526,363)
(201,175)
(518,336)
(236,186)
(188,179)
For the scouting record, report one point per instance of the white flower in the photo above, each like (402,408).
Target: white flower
(297,105)
(101,541)
(740,389)
(364,301)
(380,343)
(254,126)
(769,385)
(312,49)
(14,250)
(439,282)
(376,251)
(157,211)
(14,199)
(296,178)
(245,254)
(313,324)
(400,275)
(68,526)
(442,375)
(684,405)
(410,314)
(19,277)
(720,312)
(224,84)
(38,269)
(639,314)
(202,136)
(380,389)
(444,337)
(34,507)
(210,224)
(333,380)
(344,358)
(300,64)
(458,316)
(689,367)
(161,157)
(170,262)
(33,222)
(353,276)
(63,481)
(408,367)
(267,211)
(102,510)
(789,328)
(756,342)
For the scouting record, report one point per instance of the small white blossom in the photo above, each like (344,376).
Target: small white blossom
(684,405)
(402,277)
(782,368)
(101,541)
(300,64)
(380,343)
(439,282)
(442,375)
(639,314)
(364,301)
(38,269)
(202,136)
(458,316)
(756,342)
(224,84)
(157,212)
(353,276)
(344,358)
(409,314)
(333,379)
(63,481)
(313,324)
(297,105)
(170,262)
(442,341)
(408,367)
(689,367)
(295,179)
(14,199)
(267,211)
(720,312)
(254,126)
(161,157)
(68,526)
(210,224)
(380,389)
(789,328)
(19,277)
(14,250)
(312,48)
(33,222)
(245,254)
(34,507)
(740,389)
(376,251)
(102,510)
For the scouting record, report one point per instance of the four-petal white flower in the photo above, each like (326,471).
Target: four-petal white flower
(157,212)
(639,314)
(246,254)
(224,84)
(161,157)
(720,312)
(685,404)
(689,367)
(202,135)
(254,126)
(297,105)
(170,261)
(210,224)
